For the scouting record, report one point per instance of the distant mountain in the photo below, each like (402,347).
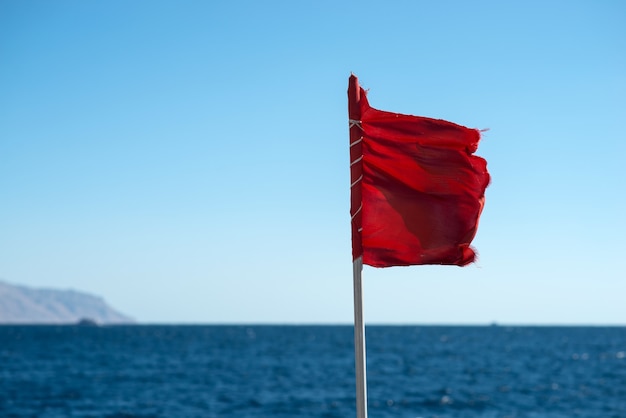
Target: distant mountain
(25,305)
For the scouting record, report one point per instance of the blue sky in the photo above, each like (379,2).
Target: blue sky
(188,161)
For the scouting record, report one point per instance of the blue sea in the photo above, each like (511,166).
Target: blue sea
(308,371)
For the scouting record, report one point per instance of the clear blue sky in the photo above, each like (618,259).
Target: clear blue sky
(188,160)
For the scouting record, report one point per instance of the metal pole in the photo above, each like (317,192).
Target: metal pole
(359,341)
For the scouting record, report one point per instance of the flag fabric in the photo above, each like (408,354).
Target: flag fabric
(417,190)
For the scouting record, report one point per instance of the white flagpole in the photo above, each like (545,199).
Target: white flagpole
(359,341)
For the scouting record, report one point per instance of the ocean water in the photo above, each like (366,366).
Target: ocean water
(308,371)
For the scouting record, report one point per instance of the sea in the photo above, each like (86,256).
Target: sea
(267,371)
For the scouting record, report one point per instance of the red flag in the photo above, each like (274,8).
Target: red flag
(417,190)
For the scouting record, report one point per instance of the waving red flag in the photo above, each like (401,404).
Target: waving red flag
(417,190)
